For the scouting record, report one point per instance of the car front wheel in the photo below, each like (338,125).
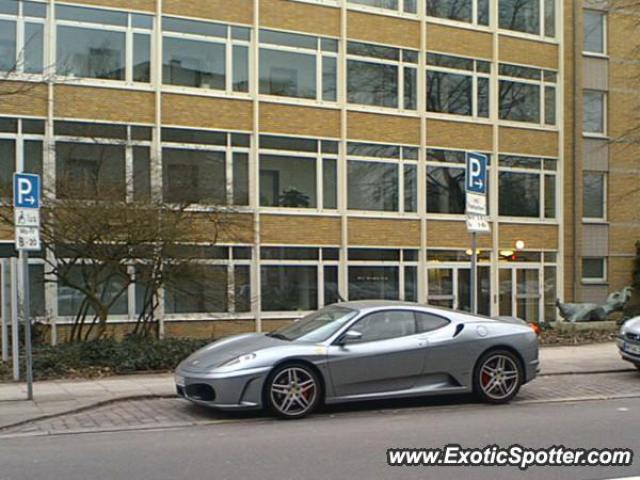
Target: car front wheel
(497,377)
(292,391)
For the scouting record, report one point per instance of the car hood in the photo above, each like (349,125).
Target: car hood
(633,325)
(221,351)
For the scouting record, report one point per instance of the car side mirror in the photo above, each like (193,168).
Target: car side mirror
(350,337)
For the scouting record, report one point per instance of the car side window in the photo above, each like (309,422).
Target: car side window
(385,325)
(427,322)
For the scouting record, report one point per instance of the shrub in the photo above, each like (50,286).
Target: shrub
(109,357)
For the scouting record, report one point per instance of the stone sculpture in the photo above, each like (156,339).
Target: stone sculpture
(592,312)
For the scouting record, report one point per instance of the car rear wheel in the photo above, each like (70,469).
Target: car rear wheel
(497,377)
(292,391)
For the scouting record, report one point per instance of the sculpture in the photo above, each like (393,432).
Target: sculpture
(592,312)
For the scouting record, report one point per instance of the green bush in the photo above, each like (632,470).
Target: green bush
(109,357)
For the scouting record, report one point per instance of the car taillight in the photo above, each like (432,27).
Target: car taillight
(535,327)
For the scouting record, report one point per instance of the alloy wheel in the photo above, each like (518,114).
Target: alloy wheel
(499,377)
(293,392)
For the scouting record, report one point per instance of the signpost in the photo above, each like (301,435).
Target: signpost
(26,203)
(476,210)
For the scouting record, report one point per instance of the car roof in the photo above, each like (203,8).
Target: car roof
(372,305)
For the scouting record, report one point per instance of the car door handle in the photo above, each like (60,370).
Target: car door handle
(423,341)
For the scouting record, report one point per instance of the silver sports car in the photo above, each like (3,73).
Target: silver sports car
(629,341)
(362,350)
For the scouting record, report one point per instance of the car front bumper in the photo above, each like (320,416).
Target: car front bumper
(238,390)
(629,350)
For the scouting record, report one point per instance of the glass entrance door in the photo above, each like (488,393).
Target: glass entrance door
(449,286)
(520,292)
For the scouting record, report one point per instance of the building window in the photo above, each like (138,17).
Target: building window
(195,55)
(205,167)
(388,274)
(22,36)
(445,181)
(382,177)
(381,76)
(594,194)
(594,270)
(469,11)
(298,172)
(595,106)
(92,160)
(292,278)
(19,135)
(457,85)
(535,17)
(299,66)
(103,44)
(527,94)
(406,6)
(527,187)
(594,31)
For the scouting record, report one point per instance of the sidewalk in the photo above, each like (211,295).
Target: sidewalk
(57,397)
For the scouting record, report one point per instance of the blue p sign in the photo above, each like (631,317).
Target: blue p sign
(26,190)
(476,177)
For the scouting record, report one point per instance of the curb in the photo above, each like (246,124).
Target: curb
(84,408)
(586,372)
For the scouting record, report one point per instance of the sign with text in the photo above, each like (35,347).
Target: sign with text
(26,201)
(476,177)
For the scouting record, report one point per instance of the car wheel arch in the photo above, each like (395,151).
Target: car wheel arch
(508,348)
(298,361)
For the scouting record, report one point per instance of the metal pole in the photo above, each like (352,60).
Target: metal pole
(474,274)
(15,331)
(26,318)
(5,308)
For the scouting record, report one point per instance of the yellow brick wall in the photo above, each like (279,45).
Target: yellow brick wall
(299,229)
(459,135)
(528,52)
(383,128)
(142,5)
(535,237)
(383,29)
(383,232)
(301,17)
(235,11)
(528,142)
(22,98)
(294,120)
(449,234)
(207,112)
(105,104)
(458,41)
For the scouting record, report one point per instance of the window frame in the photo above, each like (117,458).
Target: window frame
(541,34)
(320,263)
(401,64)
(542,173)
(319,54)
(474,23)
(605,194)
(129,31)
(543,84)
(229,151)
(475,75)
(21,20)
(229,43)
(605,117)
(595,280)
(400,164)
(604,21)
(399,12)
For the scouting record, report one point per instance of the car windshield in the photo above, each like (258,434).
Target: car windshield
(316,327)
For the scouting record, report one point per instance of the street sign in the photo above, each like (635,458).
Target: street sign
(478,224)
(476,177)
(476,204)
(26,201)
(26,204)
(26,190)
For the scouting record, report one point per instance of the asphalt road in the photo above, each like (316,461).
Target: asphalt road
(344,444)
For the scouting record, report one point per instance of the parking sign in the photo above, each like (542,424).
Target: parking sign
(26,201)
(476,177)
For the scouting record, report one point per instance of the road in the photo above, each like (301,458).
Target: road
(344,443)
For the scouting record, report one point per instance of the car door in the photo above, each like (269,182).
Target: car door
(388,357)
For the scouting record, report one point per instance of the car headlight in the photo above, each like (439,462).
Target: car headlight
(624,329)
(239,360)
(179,380)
